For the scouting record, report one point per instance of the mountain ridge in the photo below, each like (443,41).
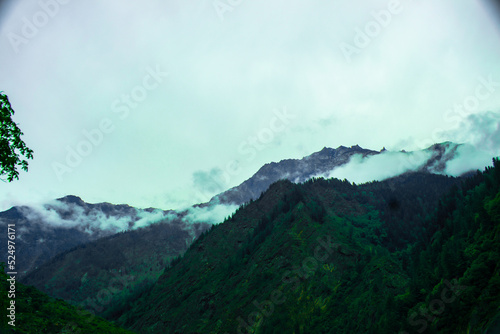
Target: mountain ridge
(417,252)
(345,204)
(263,241)
(324,161)
(296,170)
(42,231)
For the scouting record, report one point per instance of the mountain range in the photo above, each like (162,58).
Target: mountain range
(283,209)
(419,252)
(44,231)
(52,228)
(432,160)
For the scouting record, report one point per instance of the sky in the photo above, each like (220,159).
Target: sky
(140,102)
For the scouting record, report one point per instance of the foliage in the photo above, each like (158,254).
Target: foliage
(36,312)
(120,267)
(461,253)
(12,148)
(371,282)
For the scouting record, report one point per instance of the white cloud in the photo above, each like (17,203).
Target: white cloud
(60,214)
(69,215)
(147,218)
(482,130)
(468,158)
(379,167)
(213,214)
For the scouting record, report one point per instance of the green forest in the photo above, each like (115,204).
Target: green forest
(36,312)
(413,254)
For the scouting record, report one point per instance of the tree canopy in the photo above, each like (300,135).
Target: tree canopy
(13,151)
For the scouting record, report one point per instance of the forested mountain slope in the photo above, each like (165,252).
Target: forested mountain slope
(331,256)
(416,253)
(36,312)
(45,230)
(135,258)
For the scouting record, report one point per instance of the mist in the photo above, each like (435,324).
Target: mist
(378,167)
(147,218)
(69,215)
(212,214)
(468,159)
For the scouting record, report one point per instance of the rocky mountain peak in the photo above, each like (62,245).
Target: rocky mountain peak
(71,199)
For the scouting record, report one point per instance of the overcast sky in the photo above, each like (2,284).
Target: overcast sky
(140,102)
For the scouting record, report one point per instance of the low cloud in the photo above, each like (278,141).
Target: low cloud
(379,167)
(212,214)
(481,130)
(147,218)
(69,215)
(59,214)
(480,133)
(468,158)
(209,182)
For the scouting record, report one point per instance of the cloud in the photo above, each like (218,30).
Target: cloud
(479,134)
(468,158)
(70,215)
(379,167)
(147,218)
(211,181)
(59,214)
(212,214)
(482,130)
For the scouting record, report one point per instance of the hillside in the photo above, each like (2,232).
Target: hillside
(58,227)
(36,312)
(44,231)
(306,259)
(404,255)
(134,258)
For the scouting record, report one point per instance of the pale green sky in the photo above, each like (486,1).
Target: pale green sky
(183,90)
